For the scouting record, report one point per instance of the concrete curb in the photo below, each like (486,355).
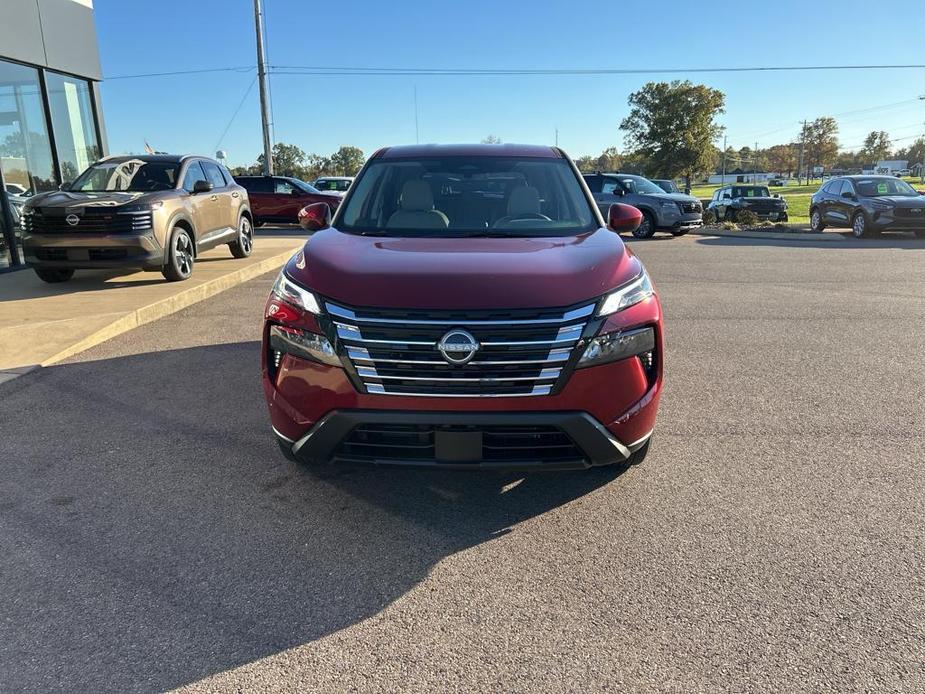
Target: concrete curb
(796,236)
(172,304)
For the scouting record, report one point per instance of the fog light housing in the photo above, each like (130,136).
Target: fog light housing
(615,346)
(303,344)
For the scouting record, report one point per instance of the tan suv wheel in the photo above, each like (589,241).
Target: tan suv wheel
(244,244)
(179,256)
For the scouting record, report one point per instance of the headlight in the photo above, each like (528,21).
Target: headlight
(148,207)
(628,295)
(303,344)
(879,205)
(294,295)
(616,346)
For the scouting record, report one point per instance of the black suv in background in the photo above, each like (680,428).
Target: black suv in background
(868,205)
(728,201)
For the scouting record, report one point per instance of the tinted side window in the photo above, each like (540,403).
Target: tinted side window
(193,173)
(255,185)
(846,187)
(215,174)
(594,183)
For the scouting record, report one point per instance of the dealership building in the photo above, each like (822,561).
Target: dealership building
(51,123)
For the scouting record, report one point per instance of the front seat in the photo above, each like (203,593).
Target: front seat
(524,200)
(416,209)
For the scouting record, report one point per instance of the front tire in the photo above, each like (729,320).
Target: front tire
(815,221)
(646,228)
(180,256)
(244,244)
(860,226)
(53,275)
(730,216)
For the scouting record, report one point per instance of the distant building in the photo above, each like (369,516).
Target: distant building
(50,120)
(741,176)
(892,166)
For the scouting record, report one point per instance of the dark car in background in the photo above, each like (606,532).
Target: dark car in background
(667,185)
(868,205)
(729,201)
(673,212)
(279,198)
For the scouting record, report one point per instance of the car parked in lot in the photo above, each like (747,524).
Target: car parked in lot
(278,199)
(666,184)
(868,205)
(673,212)
(729,201)
(466,306)
(333,184)
(155,212)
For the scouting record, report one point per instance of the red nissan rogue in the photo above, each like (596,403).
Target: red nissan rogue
(466,307)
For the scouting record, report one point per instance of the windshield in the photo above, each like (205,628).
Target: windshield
(468,196)
(134,175)
(338,185)
(302,185)
(667,186)
(751,192)
(637,184)
(873,187)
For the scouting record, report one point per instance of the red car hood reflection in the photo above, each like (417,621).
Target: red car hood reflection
(462,272)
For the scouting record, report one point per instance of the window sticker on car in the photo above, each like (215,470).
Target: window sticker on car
(882,189)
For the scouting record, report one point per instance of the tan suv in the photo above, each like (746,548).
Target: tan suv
(155,212)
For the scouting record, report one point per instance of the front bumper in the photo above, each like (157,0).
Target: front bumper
(676,221)
(888,221)
(548,441)
(93,251)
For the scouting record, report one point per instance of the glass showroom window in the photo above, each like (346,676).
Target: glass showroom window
(25,152)
(73,123)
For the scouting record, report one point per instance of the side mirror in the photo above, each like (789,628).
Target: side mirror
(296,191)
(848,194)
(202,187)
(315,217)
(66,185)
(622,217)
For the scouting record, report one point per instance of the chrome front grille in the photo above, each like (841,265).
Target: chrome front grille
(520,352)
(105,222)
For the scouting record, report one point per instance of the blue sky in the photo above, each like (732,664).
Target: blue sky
(320,113)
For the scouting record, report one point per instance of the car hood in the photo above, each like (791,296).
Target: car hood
(760,199)
(462,273)
(73,201)
(677,197)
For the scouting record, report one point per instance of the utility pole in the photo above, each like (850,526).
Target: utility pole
(262,78)
(802,150)
(724,161)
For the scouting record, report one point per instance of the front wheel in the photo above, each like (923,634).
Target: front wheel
(242,246)
(815,221)
(859,226)
(730,216)
(179,256)
(646,228)
(54,275)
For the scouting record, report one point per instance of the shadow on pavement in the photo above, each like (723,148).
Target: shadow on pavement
(25,284)
(152,534)
(900,241)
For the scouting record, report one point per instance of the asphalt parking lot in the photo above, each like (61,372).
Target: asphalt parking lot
(152,536)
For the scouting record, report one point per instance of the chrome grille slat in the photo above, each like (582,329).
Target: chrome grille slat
(396,352)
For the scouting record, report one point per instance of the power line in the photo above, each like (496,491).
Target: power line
(235,114)
(376,71)
(243,68)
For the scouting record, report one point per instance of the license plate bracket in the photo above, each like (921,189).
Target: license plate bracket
(457,446)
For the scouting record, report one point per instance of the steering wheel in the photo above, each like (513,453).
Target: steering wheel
(522,216)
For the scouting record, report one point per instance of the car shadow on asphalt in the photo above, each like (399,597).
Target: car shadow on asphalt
(899,241)
(83,281)
(152,534)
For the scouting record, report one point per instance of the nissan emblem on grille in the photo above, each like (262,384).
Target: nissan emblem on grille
(458,346)
(72,219)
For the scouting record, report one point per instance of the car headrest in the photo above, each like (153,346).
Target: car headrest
(416,195)
(523,200)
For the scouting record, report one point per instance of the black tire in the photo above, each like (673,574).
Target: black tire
(646,229)
(242,246)
(784,218)
(54,275)
(730,216)
(180,256)
(860,227)
(679,232)
(815,221)
(920,233)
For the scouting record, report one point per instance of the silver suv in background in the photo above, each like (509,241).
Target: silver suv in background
(676,213)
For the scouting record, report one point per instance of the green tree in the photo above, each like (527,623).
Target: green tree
(287,160)
(673,125)
(821,143)
(586,164)
(491,140)
(346,161)
(877,146)
(782,159)
(608,160)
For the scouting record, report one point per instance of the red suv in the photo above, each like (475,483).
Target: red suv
(278,199)
(466,307)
